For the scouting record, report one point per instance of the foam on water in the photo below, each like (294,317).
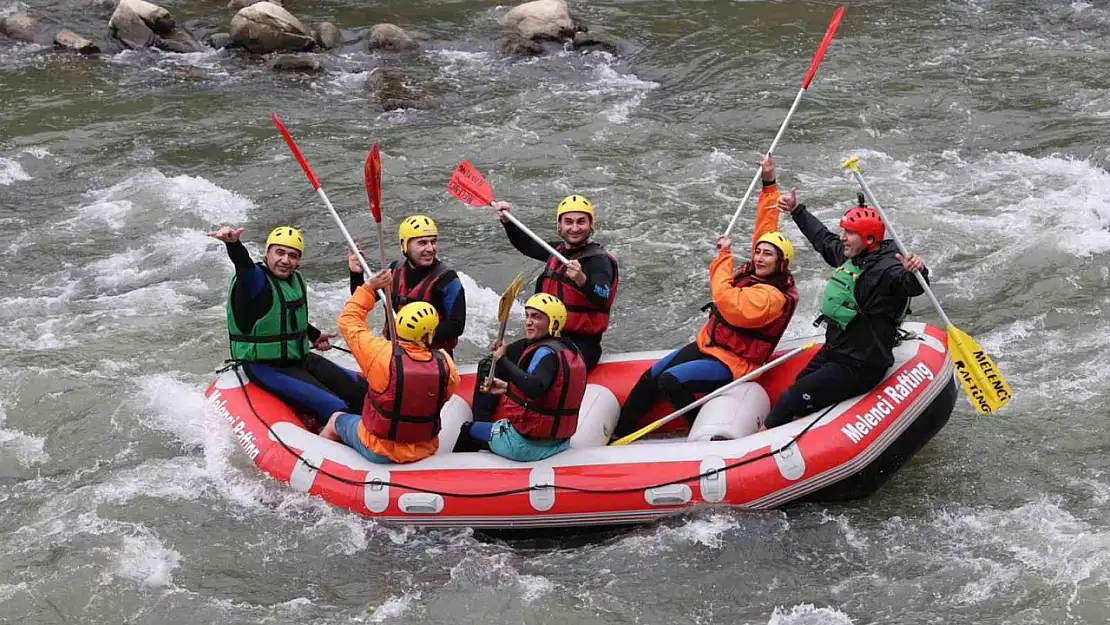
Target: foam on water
(394,607)
(167,197)
(808,614)
(481,311)
(146,560)
(11,171)
(26,449)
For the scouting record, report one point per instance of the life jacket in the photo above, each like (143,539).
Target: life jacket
(407,411)
(838,304)
(281,333)
(555,415)
(419,292)
(583,316)
(755,345)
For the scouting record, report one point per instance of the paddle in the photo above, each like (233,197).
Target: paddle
(320,191)
(651,427)
(503,309)
(372,172)
(470,187)
(829,33)
(982,381)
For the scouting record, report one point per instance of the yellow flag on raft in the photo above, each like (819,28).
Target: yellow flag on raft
(980,377)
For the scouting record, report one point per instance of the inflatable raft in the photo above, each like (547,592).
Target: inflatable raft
(840,453)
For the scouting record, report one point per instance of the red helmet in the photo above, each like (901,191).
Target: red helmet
(864,221)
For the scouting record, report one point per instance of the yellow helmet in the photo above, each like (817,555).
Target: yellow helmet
(417,322)
(575,204)
(415,227)
(553,308)
(782,243)
(287,236)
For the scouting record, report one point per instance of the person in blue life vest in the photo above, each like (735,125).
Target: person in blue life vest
(269,332)
(587,285)
(863,305)
(421,277)
(542,380)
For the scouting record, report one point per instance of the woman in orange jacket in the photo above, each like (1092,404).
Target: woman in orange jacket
(749,314)
(399,421)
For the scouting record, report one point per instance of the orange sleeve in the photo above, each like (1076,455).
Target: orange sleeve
(372,353)
(453,377)
(749,307)
(767,215)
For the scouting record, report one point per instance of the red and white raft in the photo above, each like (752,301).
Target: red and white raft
(841,453)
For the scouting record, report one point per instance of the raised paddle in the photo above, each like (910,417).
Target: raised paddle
(829,33)
(755,373)
(323,196)
(470,187)
(372,172)
(503,308)
(981,379)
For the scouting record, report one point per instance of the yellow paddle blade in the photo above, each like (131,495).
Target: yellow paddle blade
(508,297)
(981,379)
(851,164)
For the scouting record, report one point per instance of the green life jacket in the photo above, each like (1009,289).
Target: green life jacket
(838,305)
(281,334)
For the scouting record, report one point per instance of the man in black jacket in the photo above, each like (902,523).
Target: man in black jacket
(863,305)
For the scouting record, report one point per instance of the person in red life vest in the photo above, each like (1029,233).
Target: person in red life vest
(542,378)
(750,311)
(865,302)
(587,285)
(408,385)
(421,277)
(269,332)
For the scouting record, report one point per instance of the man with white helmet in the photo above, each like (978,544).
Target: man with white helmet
(750,311)
(269,332)
(543,380)
(587,285)
(408,384)
(421,277)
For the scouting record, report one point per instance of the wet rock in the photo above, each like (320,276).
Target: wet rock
(266,27)
(101,6)
(595,41)
(390,37)
(219,40)
(135,23)
(328,36)
(294,63)
(21,26)
(516,44)
(71,41)
(393,93)
(242,4)
(541,19)
(180,40)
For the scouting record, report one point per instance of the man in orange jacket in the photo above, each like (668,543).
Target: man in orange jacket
(400,421)
(750,311)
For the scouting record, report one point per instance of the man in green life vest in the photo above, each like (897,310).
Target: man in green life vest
(865,301)
(267,322)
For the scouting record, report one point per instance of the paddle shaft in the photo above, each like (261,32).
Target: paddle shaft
(759,170)
(898,242)
(389,320)
(535,237)
(751,375)
(493,364)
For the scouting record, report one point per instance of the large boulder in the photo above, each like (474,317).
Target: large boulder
(21,26)
(242,4)
(72,42)
(595,41)
(266,27)
(394,92)
(541,19)
(294,63)
(135,23)
(328,36)
(390,37)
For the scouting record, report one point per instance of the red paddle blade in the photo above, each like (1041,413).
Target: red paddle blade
(468,185)
(373,174)
(296,151)
(830,32)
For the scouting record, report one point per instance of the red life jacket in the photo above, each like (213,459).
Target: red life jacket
(752,344)
(555,415)
(407,411)
(583,316)
(419,292)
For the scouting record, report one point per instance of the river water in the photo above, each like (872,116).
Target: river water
(981,125)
